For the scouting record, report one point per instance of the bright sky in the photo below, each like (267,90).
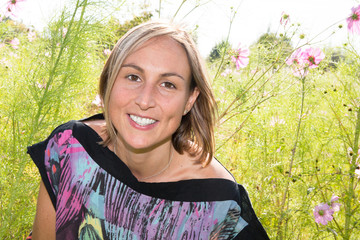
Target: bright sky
(253,17)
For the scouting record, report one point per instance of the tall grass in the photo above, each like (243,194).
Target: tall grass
(44,83)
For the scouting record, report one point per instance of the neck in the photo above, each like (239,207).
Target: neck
(146,164)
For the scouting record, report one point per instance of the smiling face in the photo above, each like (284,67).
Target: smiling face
(151,93)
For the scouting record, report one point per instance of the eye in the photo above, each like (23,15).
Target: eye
(168,85)
(133,77)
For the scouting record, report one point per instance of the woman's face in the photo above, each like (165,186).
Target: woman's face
(151,93)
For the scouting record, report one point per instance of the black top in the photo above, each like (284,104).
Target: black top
(95,195)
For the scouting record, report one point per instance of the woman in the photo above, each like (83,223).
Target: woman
(145,168)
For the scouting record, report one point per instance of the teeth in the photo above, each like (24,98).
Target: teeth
(142,121)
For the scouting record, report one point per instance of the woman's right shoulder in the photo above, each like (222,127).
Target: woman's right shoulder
(95,122)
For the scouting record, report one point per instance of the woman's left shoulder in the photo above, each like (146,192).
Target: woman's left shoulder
(190,167)
(216,170)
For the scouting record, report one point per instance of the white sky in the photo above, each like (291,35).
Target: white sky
(253,18)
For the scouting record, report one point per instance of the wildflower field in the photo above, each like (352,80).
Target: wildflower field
(289,113)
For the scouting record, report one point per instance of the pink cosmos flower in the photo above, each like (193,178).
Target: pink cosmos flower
(302,60)
(42,85)
(97,101)
(295,58)
(335,206)
(64,32)
(223,90)
(296,61)
(276,120)
(12,7)
(31,36)
(4,62)
(107,52)
(323,213)
(312,57)
(15,43)
(241,57)
(354,20)
(357,171)
(226,72)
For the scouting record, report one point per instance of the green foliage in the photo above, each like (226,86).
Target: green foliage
(117,30)
(271,49)
(45,82)
(256,136)
(218,50)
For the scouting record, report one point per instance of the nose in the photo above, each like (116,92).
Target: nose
(145,98)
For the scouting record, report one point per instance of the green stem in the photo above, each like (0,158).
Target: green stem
(177,11)
(350,190)
(160,8)
(52,74)
(286,192)
(225,48)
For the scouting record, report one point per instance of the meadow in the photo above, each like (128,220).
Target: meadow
(288,129)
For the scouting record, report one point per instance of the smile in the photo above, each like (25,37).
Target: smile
(142,121)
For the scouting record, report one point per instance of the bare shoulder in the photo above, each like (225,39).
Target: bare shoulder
(216,170)
(195,170)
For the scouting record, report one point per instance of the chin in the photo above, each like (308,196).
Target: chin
(144,146)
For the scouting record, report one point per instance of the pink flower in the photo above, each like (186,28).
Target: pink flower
(296,61)
(226,72)
(64,32)
(354,20)
(15,43)
(312,57)
(302,60)
(295,58)
(335,206)
(97,101)
(241,57)
(42,85)
(4,62)
(285,18)
(31,36)
(357,170)
(276,120)
(223,90)
(323,213)
(12,7)
(107,52)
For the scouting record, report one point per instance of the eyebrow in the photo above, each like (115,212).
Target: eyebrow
(170,74)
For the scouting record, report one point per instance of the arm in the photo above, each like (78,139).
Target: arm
(44,224)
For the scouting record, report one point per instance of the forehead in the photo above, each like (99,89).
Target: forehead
(161,52)
(161,43)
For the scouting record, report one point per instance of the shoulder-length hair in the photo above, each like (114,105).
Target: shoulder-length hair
(195,134)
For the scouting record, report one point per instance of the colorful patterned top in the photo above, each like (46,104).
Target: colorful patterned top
(97,197)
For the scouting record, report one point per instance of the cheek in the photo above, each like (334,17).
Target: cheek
(118,97)
(174,109)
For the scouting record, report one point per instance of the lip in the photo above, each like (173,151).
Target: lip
(137,126)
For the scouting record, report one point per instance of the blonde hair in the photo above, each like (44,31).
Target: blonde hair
(195,134)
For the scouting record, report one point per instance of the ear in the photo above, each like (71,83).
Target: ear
(191,100)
